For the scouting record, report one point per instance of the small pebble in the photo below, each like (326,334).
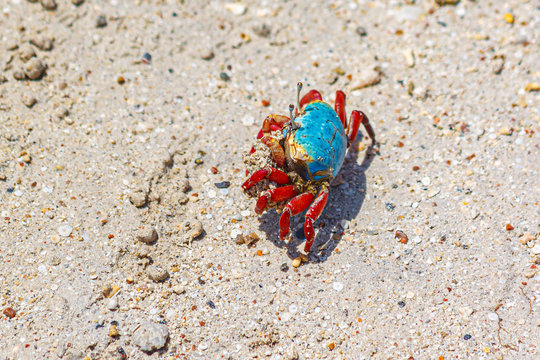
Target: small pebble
(525,238)
(138,198)
(536,249)
(223,184)
(19,74)
(262,30)
(26,52)
(337,286)
(48,4)
(29,100)
(193,229)
(77,2)
(366,78)
(113,331)
(211,304)
(157,273)
(101,21)
(284,267)
(65,230)
(42,42)
(534,86)
(34,69)
(236,8)
(389,206)
(3,79)
(147,235)
(361,31)
(224,76)
(151,336)
(467,337)
(179,289)
(509,18)
(147,58)
(296,262)
(112,304)
(372,232)
(9,312)
(402,237)
(493,316)
(61,112)
(401,303)
(206,54)
(408,54)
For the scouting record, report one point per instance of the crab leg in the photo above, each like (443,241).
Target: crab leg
(277,152)
(310,97)
(358,117)
(295,206)
(312,215)
(269,172)
(276,195)
(274,122)
(340,107)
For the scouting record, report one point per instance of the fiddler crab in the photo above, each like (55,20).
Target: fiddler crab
(301,154)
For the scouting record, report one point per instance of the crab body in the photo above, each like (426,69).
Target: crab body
(317,148)
(305,158)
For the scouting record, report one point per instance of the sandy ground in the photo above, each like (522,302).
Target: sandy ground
(118,118)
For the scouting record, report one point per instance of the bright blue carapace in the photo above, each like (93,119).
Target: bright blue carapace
(316,143)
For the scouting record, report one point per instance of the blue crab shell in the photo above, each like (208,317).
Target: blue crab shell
(316,149)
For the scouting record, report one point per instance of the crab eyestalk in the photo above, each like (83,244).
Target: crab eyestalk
(294,125)
(298,90)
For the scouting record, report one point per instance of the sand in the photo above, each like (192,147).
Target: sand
(123,126)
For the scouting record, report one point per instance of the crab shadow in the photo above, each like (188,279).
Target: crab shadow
(344,204)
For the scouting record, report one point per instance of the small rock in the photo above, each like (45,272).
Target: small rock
(112,304)
(361,31)
(147,235)
(35,68)
(505,131)
(446,2)
(525,238)
(296,262)
(151,336)
(26,52)
(206,54)
(466,311)
(29,100)
(48,4)
(138,198)
(179,289)
(498,64)
(534,86)
(493,316)
(251,238)
(408,54)
(65,230)
(56,260)
(3,79)
(536,249)
(19,74)
(113,331)
(262,30)
(157,273)
(77,2)
(193,230)
(9,312)
(223,184)
(337,286)
(101,21)
(224,76)
(42,42)
(529,273)
(61,112)
(236,8)
(372,232)
(366,78)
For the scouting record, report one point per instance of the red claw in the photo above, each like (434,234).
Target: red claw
(276,195)
(273,174)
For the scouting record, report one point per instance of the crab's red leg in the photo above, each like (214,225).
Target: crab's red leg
(276,195)
(312,215)
(273,174)
(309,97)
(340,107)
(278,154)
(297,204)
(358,117)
